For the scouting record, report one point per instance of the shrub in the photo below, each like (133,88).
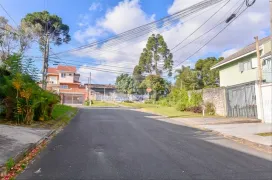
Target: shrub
(195,109)
(149,101)
(180,106)
(209,108)
(128,101)
(163,102)
(195,99)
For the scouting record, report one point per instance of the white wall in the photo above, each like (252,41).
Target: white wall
(266,114)
(267,102)
(53,79)
(67,79)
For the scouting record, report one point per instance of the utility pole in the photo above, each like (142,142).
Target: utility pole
(260,76)
(88,89)
(104,93)
(45,61)
(270,4)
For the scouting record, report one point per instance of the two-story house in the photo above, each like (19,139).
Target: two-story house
(239,74)
(65,81)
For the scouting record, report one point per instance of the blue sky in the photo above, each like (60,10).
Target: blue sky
(94,20)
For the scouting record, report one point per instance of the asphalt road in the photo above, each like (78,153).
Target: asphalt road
(124,144)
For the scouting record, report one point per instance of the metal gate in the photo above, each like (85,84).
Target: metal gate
(241,101)
(73,99)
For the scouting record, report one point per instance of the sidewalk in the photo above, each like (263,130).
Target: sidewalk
(15,139)
(241,130)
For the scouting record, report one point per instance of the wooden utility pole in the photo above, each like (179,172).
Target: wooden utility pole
(45,62)
(260,76)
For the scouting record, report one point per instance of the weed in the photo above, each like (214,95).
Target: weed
(9,164)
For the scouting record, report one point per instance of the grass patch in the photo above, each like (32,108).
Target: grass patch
(103,104)
(265,134)
(170,112)
(61,115)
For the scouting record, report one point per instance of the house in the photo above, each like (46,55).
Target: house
(65,81)
(245,95)
(101,88)
(241,67)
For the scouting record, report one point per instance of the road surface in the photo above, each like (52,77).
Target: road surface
(116,143)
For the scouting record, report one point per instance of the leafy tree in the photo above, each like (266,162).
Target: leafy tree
(13,39)
(209,78)
(155,53)
(200,77)
(43,23)
(125,84)
(187,78)
(157,84)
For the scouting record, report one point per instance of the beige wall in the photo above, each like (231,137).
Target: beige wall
(267,47)
(230,74)
(67,79)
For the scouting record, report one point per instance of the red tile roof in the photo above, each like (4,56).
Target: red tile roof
(66,68)
(52,70)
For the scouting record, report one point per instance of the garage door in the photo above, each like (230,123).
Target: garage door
(73,98)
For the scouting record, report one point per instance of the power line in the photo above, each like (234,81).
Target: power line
(211,38)
(201,25)
(8,14)
(195,8)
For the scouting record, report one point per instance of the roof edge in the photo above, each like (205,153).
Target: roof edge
(216,66)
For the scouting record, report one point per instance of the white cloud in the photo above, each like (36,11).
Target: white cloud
(90,33)
(96,6)
(128,14)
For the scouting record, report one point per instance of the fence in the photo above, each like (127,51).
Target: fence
(119,97)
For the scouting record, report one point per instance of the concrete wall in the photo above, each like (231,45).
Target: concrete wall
(230,74)
(217,96)
(264,114)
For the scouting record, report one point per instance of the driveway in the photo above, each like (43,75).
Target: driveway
(116,143)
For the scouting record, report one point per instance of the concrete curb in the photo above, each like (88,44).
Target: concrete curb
(20,155)
(258,146)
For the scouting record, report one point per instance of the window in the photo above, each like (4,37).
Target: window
(244,66)
(64,86)
(63,75)
(70,74)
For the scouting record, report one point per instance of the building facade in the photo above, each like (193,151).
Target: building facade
(65,81)
(246,96)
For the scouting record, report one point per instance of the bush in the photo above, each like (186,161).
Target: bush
(128,101)
(209,108)
(195,109)
(149,101)
(163,102)
(180,106)
(195,99)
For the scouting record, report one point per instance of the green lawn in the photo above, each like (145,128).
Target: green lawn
(170,112)
(60,110)
(61,115)
(265,134)
(103,104)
